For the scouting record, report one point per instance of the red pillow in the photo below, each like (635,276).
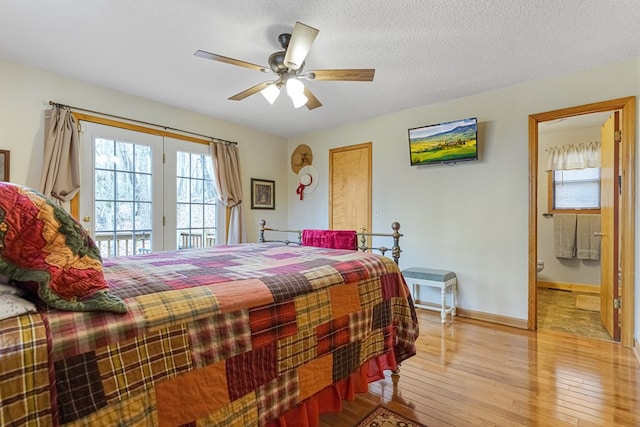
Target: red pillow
(40,242)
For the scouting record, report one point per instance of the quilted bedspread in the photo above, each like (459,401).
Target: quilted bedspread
(232,335)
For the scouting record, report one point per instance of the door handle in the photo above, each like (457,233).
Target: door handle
(86,219)
(598,234)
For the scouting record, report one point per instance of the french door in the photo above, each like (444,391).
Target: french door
(190,196)
(145,193)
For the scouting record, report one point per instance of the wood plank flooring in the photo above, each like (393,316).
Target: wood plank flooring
(470,373)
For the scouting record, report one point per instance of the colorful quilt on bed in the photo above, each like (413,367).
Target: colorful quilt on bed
(233,335)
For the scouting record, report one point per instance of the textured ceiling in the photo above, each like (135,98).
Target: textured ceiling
(424,51)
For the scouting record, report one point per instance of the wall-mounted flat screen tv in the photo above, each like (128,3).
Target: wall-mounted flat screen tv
(448,142)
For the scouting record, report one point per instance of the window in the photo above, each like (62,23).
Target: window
(196,201)
(576,189)
(146,193)
(122,197)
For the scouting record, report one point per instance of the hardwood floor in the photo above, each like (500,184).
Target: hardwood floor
(470,373)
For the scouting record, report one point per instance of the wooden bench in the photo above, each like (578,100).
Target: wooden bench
(442,279)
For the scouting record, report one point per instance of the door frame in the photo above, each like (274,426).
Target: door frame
(627,218)
(88,134)
(74,209)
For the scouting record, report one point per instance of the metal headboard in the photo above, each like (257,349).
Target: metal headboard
(362,236)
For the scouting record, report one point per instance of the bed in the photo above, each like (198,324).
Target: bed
(243,335)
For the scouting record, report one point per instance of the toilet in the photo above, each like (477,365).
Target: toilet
(540,266)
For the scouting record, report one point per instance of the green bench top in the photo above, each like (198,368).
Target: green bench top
(429,274)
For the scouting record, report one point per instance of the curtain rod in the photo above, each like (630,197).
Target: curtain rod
(69,107)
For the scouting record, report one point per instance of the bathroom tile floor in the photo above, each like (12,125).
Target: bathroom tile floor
(557,311)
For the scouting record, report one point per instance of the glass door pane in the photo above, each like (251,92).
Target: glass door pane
(121,193)
(189,176)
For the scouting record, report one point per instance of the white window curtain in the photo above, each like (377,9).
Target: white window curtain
(574,156)
(60,179)
(226,176)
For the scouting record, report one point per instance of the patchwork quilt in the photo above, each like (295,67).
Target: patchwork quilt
(233,335)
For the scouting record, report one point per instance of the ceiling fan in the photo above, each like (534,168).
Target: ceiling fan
(287,65)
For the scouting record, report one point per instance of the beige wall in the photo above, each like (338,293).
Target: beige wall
(471,218)
(27,91)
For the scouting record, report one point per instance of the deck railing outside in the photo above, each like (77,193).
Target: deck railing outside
(123,243)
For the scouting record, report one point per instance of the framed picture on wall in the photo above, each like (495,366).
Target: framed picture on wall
(263,194)
(4,165)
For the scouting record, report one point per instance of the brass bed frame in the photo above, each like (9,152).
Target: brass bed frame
(362,236)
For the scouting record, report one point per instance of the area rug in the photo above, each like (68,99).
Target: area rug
(384,417)
(588,302)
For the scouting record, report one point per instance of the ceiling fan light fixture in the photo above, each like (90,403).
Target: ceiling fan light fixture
(295,90)
(271,93)
(294,87)
(287,66)
(299,100)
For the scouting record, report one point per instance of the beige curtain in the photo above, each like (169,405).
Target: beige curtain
(226,172)
(60,179)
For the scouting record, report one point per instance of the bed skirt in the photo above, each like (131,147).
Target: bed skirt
(307,414)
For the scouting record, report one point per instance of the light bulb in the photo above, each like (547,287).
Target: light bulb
(294,87)
(299,100)
(271,93)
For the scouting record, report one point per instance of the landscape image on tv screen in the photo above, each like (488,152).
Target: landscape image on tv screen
(444,142)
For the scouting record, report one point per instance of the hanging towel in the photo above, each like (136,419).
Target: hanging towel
(564,235)
(587,244)
(335,239)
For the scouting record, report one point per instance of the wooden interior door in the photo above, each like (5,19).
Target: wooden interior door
(350,187)
(609,205)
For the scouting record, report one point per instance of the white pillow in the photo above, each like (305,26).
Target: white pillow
(12,305)
(8,289)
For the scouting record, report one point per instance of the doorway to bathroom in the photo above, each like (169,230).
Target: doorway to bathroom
(594,287)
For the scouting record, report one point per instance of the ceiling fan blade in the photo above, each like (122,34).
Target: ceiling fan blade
(302,38)
(252,90)
(354,74)
(232,61)
(313,101)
